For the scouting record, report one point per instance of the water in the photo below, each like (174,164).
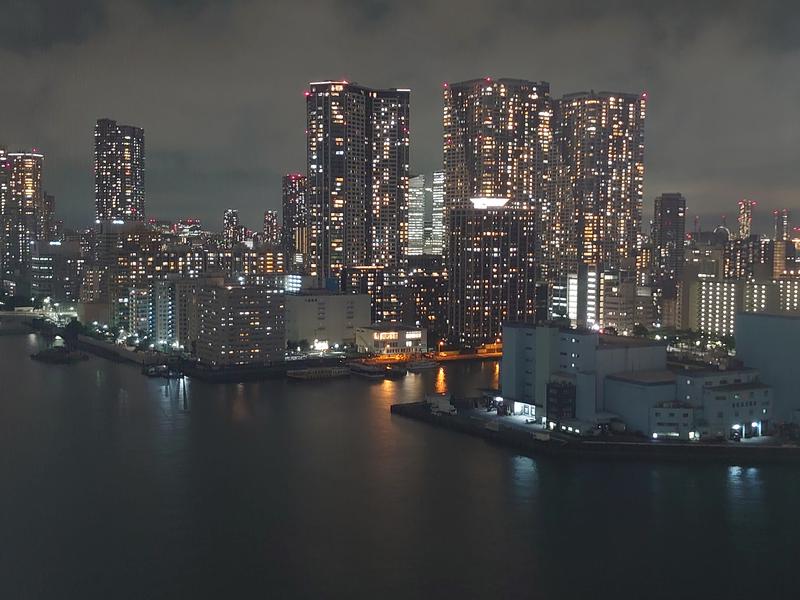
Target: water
(113,486)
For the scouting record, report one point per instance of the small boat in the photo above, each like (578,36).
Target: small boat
(395,372)
(315,373)
(160,371)
(422,365)
(367,371)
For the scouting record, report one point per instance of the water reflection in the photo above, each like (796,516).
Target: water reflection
(526,476)
(441,381)
(457,513)
(240,409)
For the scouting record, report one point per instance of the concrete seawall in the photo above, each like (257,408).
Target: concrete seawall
(557,447)
(116,352)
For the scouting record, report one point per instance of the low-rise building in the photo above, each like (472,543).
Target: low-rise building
(391,338)
(744,408)
(545,364)
(690,403)
(636,397)
(769,343)
(559,376)
(323,319)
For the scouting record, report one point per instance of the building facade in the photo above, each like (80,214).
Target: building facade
(416,215)
(241,324)
(491,272)
(561,372)
(435,240)
(323,320)
(232,230)
(358,176)
(768,343)
(600,175)
(391,339)
(576,381)
(21,204)
(295,216)
(57,270)
(669,229)
(272,228)
(118,172)
(745,218)
(497,143)
(781,225)
(497,136)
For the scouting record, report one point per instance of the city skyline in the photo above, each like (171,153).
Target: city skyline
(478,279)
(250,141)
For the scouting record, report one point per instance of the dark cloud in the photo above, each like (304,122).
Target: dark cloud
(30,25)
(218,85)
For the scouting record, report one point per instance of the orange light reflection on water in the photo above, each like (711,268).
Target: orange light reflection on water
(441,382)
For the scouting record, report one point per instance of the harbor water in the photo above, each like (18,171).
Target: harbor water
(116,485)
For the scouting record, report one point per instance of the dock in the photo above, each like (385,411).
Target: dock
(550,444)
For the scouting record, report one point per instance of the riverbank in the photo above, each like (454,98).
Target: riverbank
(248,373)
(536,443)
(59,355)
(115,352)
(196,370)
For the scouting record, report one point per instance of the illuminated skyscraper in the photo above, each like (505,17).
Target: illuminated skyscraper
(490,270)
(232,231)
(745,218)
(295,214)
(388,135)
(497,142)
(781,217)
(426,215)
(741,257)
(416,215)
(272,229)
(358,172)
(21,199)
(434,244)
(669,229)
(118,172)
(5,209)
(600,172)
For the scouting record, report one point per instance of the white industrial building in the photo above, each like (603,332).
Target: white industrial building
(576,362)
(581,377)
(324,319)
(392,338)
(768,342)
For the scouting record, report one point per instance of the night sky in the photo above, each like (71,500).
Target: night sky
(218,86)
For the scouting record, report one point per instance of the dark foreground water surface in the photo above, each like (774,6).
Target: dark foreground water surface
(111,486)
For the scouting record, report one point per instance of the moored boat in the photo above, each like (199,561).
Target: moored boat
(315,373)
(422,365)
(160,371)
(394,372)
(367,371)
